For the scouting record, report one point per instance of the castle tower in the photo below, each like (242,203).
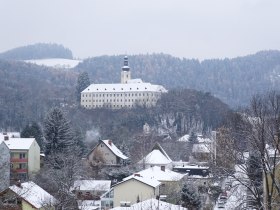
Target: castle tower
(125,74)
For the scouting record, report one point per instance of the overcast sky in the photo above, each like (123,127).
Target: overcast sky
(183,28)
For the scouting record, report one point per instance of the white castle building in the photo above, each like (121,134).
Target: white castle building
(129,93)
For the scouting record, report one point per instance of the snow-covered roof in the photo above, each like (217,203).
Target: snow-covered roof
(201,148)
(200,138)
(114,149)
(20,143)
(155,172)
(151,204)
(34,194)
(148,181)
(155,157)
(92,185)
(10,135)
(132,86)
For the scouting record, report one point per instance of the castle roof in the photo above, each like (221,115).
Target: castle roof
(135,85)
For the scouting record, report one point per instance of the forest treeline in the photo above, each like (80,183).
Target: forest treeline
(37,51)
(234,81)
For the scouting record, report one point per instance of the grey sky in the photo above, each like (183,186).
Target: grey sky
(184,28)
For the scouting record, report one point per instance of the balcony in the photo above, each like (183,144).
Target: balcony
(19,170)
(18,160)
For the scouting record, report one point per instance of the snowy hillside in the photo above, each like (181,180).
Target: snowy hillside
(56,62)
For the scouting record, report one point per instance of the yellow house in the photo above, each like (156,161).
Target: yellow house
(25,157)
(135,189)
(28,196)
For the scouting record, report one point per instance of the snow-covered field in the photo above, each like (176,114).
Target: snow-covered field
(56,62)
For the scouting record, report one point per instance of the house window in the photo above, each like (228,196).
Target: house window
(22,156)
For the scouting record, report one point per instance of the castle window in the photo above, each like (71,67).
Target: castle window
(135,94)
(103,95)
(113,88)
(110,95)
(97,89)
(114,95)
(121,94)
(107,95)
(132,94)
(122,88)
(130,88)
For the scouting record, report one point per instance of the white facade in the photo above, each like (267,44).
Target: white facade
(4,166)
(127,94)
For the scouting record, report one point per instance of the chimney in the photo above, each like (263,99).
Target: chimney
(137,175)
(6,138)
(162,168)
(110,142)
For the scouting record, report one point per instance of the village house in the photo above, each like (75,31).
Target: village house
(90,189)
(170,181)
(25,157)
(157,157)
(135,189)
(106,153)
(27,196)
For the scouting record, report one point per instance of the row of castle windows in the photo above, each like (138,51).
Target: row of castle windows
(135,94)
(108,106)
(119,100)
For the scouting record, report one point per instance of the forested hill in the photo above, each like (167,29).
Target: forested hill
(28,91)
(234,81)
(37,51)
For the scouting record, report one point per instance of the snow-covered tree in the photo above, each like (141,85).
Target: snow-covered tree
(58,134)
(190,198)
(35,131)
(82,82)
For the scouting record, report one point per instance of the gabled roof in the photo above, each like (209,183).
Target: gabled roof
(19,143)
(156,156)
(113,148)
(33,194)
(151,204)
(92,185)
(155,172)
(148,181)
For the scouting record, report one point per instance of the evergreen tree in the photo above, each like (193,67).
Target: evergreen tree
(190,198)
(57,132)
(78,140)
(35,131)
(193,137)
(82,83)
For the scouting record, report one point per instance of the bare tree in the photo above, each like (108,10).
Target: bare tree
(58,176)
(252,145)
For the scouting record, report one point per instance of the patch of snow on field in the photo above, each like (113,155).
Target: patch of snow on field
(56,62)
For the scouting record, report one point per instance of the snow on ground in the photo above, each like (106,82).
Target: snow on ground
(237,194)
(56,62)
